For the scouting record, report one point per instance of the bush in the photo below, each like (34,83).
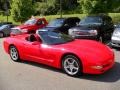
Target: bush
(22,9)
(46,8)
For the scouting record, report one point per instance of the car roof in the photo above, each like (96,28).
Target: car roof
(69,18)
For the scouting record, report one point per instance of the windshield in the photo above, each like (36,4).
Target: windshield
(56,23)
(53,38)
(90,21)
(3,26)
(30,22)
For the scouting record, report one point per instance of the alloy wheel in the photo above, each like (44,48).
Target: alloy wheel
(14,53)
(71,65)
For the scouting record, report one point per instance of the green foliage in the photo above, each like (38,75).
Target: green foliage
(100,6)
(22,9)
(93,6)
(53,7)
(46,8)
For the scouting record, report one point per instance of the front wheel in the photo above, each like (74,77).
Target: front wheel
(14,53)
(71,65)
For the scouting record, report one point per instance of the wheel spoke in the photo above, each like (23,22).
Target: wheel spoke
(73,62)
(75,68)
(71,69)
(67,66)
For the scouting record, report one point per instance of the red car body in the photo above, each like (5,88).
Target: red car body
(30,28)
(91,53)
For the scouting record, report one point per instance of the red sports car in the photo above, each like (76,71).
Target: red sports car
(61,51)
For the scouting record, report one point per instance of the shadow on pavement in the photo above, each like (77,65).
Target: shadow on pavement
(42,66)
(112,75)
(117,48)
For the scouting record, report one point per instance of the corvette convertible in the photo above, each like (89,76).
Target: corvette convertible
(58,50)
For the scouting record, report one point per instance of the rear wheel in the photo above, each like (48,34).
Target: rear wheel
(14,53)
(71,65)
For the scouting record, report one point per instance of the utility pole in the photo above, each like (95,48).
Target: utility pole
(60,8)
(6,9)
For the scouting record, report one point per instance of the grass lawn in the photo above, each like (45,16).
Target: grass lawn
(115,17)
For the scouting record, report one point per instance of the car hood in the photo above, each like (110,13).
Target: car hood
(24,26)
(88,48)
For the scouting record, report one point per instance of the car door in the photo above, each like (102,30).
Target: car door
(38,52)
(31,50)
(6,30)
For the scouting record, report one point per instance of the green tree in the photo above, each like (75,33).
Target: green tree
(46,7)
(100,6)
(94,6)
(21,10)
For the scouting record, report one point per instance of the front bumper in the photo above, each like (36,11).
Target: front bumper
(105,67)
(115,42)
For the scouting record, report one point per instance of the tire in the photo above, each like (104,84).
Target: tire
(1,34)
(71,66)
(14,54)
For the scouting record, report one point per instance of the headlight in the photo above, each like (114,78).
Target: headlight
(70,31)
(97,67)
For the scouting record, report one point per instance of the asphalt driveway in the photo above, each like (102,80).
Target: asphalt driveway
(33,76)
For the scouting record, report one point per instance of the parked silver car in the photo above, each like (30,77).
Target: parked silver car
(5,30)
(115,40)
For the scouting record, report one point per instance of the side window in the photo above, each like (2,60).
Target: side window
(40,22)
(11,26)
(68,22)
(105,21)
